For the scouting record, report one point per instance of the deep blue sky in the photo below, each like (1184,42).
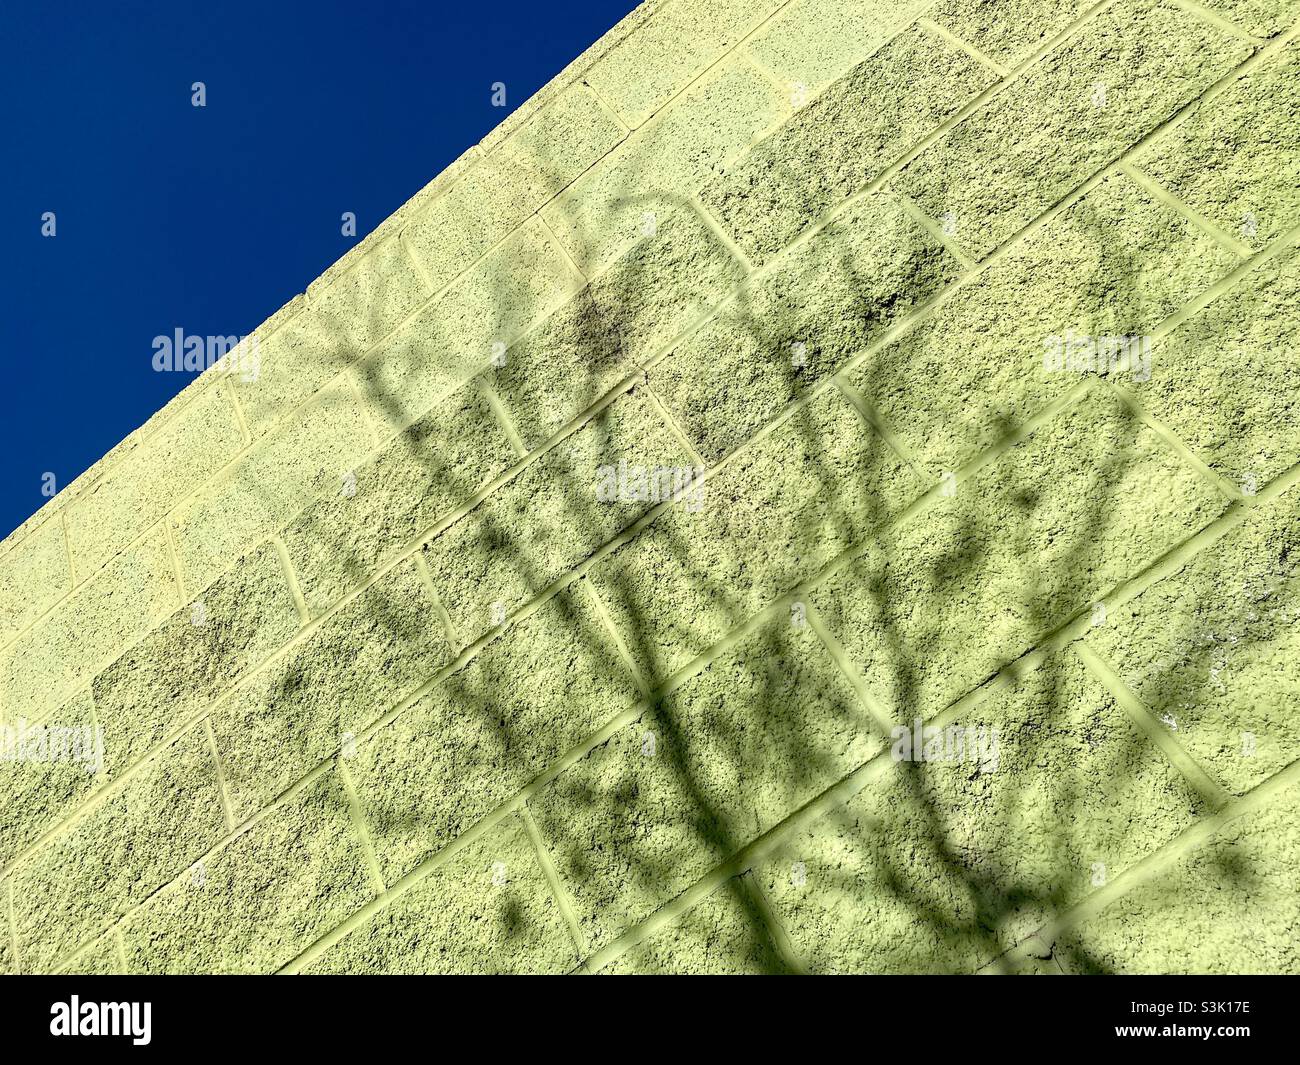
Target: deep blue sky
(209,219)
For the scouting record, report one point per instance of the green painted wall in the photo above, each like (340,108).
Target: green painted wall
(427,647)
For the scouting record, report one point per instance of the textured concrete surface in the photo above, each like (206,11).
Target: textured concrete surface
(786,376)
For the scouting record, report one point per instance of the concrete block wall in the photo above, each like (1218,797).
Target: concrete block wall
(386,683)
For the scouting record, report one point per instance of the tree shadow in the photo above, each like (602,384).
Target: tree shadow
(994,894)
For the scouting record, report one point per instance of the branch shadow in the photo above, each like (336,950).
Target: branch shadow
(994,894)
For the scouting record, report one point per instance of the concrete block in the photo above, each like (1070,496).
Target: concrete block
(944,601)
(322,693)
(184,665)
(261,899)
(119,854)
(660,286)
(793,326)
(841,141)
(549,518)
(1069,116)
(488,910)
